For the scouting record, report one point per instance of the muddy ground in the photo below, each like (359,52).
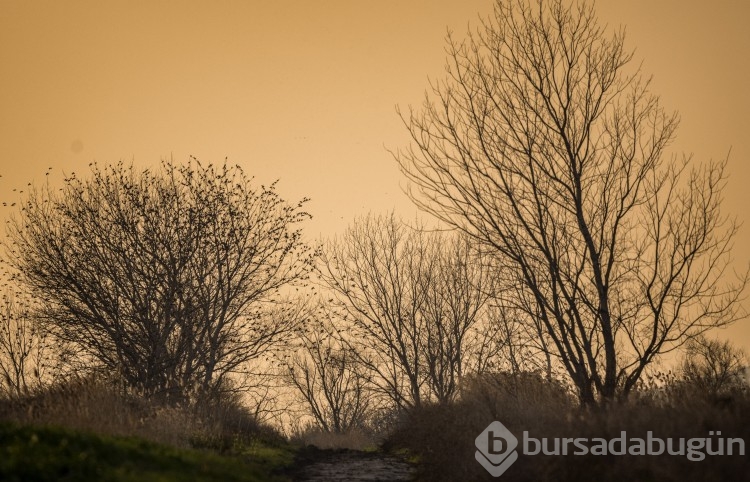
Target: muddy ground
(315,465)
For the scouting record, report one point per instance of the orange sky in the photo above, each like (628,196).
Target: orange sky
(305,91)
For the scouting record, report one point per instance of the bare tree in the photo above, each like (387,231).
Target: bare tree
(376,271)
(170,277)
(459,337)
(326,376)
(513,345)
(265,394)
(23,346)
(413,303)
(714,367)
(544,147)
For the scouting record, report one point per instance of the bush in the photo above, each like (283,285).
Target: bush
(226,425)
(96,404)
(442,437)
(311,434)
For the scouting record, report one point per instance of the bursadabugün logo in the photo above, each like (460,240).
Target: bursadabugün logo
(496,446)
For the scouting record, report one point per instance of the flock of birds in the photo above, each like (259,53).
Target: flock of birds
(21,191)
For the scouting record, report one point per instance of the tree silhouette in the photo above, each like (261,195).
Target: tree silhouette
(24,346)
(169,277)
(544,147)
(326,377)
(415,314)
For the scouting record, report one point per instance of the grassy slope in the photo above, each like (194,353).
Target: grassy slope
(43,453)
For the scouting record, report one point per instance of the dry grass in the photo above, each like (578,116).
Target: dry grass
(355,439)
(442,437)
(95,405)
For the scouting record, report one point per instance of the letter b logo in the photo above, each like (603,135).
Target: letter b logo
(496,448)
(495,445)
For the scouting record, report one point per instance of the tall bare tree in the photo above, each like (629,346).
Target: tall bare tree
(414,305)
(170,277)
(376,270)
(544,145)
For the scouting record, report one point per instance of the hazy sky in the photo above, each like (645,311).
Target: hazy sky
(305,91)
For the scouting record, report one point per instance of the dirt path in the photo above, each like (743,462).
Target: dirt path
(351,466)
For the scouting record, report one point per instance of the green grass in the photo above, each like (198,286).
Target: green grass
(29,453)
